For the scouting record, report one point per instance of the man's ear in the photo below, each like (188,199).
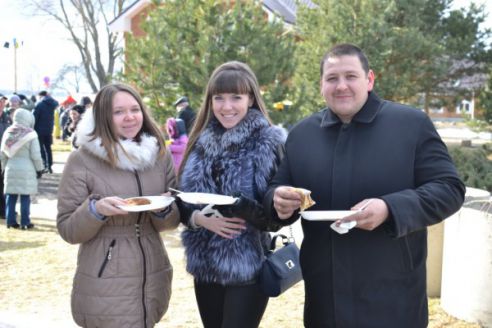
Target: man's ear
(370,78)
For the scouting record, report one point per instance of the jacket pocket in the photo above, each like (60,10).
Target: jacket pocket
(107,258)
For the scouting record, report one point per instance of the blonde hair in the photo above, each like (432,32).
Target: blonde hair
(231,77)
(103,120)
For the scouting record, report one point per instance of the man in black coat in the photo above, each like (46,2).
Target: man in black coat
(44,113)
(185,112)
(362,150)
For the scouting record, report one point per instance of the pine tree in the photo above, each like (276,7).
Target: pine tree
(186,40)
(412,45)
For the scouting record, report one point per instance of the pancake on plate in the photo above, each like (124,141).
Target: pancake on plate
(137,201)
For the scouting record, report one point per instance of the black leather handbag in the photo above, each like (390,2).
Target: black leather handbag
(281,269)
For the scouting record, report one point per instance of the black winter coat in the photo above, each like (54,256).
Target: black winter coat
(389,151)
(44,113)
(188,116)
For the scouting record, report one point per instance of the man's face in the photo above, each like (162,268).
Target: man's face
(3,101)
(181,106)
(344,85)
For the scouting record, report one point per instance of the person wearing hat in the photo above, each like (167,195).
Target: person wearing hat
(14,103)
(185,112)
(44,113)
(86,102)
(5,122)
(63,117)
(26,103)
(75,114)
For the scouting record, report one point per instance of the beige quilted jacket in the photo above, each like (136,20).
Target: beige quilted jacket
(123,276)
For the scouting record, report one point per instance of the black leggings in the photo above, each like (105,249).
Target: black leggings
(230,306)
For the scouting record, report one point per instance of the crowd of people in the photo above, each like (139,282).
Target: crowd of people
(27,129)
(359,153)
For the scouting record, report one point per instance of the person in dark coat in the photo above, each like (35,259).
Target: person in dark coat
(44,113)
(185,112)
(362,148)
(5,122)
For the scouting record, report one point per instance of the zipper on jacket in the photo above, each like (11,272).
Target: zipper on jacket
(107,258)
(137,233)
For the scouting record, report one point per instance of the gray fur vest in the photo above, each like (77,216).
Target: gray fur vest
(242,159)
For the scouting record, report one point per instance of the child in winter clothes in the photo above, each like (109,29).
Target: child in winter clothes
(176,130)
(22,163)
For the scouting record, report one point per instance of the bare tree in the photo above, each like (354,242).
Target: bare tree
(87,23)
(69,78)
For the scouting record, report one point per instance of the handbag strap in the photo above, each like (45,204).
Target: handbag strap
(291,238)
(285,239)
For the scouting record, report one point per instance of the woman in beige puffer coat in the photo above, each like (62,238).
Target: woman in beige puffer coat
(123,275)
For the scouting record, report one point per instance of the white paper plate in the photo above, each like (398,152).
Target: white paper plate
(204,198)
(156,202)
(326,215)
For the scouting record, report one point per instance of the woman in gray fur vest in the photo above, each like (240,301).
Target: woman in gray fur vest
(233,150)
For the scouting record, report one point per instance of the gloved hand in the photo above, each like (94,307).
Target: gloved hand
(39,174)
(249,210)
(185,210)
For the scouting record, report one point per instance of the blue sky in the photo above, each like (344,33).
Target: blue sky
(43,51)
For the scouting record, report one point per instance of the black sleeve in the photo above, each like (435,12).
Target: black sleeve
(281,178)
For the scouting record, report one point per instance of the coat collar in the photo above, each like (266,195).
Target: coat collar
(131,155)
(367,113)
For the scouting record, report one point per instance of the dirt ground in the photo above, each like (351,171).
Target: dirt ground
(37,266)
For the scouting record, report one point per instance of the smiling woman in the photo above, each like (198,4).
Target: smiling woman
(121,145)
(233,149)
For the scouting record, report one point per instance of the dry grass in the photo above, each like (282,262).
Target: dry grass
(37,266)
(59,145)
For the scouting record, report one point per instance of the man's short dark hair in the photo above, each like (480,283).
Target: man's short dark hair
(181,100)
(345,49)
(85,101)
(43,93)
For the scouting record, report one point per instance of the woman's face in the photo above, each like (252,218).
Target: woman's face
(127,115)
(230,108)
(74,115)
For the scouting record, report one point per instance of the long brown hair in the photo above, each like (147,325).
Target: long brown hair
(231,77)
(103,120)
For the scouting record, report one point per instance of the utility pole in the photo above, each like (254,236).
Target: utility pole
(15,66)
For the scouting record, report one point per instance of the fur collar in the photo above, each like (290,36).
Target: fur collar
(242,159)
(139,156)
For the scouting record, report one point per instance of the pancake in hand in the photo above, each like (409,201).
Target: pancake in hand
(137,201)
(306,200)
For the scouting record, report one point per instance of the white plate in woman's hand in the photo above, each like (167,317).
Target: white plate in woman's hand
(200,198)
(153,203)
